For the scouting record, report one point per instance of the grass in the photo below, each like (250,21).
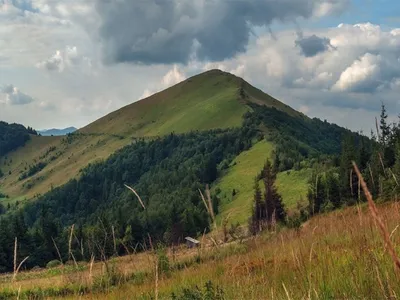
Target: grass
(293,186)
(326,259)
(240,177)
(339,255)
(206,101)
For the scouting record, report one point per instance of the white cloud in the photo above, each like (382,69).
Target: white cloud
(362,75)
(11,95)
(172,77)
(63,60)
(330,8)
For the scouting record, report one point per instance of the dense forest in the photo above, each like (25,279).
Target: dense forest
(334,183)
(13,136)
(167,172)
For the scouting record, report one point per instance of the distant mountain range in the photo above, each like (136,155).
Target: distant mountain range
(57,132)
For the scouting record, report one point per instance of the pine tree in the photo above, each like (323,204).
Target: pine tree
(384,127)
(396,168)
(316,193)
(258,210)
(349,180)
(273,201)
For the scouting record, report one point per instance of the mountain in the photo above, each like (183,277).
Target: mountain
(57,132)
(210,100)
(213,130)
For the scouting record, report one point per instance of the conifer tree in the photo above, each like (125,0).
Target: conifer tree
(258,210)
(349,180)
(273,200)
(384,127)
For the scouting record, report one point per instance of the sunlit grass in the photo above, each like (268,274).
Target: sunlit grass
(240,177)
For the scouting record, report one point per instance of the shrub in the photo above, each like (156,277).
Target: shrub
(163,261)
(53,264)
(209,292)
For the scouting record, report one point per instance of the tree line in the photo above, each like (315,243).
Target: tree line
(13,136)
(334,182)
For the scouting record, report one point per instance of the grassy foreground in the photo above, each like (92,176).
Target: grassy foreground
(335,256)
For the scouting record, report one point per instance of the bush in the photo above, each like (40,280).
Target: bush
(163,261)
(53,264)
(195,293)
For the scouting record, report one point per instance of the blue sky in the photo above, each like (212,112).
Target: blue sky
(382,12)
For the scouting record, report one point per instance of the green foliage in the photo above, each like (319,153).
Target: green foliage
(240,177)
(378,160)
(209,292)
(166,172)
(296,138)
(33,170)
(13,136)
(293,186)
(324,191)
(163,261)
(268,207)
(53,263)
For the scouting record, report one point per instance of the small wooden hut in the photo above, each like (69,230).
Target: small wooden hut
(191,242)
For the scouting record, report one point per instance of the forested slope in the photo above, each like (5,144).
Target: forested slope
(13,136)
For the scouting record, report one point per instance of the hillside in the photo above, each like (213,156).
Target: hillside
(213,99)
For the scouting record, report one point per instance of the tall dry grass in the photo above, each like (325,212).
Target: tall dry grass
(334,256)
(378,220)
(339,255)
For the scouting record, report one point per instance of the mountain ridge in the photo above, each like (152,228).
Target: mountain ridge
(57,131)
(210,100)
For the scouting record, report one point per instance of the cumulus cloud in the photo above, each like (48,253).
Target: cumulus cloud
(62,60)
(11,95)
(368,74)
(172,77)
(171,31)
(312,45)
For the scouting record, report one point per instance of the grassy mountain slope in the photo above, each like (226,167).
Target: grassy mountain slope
(292,185)
(240,177)
(206,101)
(210,100)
